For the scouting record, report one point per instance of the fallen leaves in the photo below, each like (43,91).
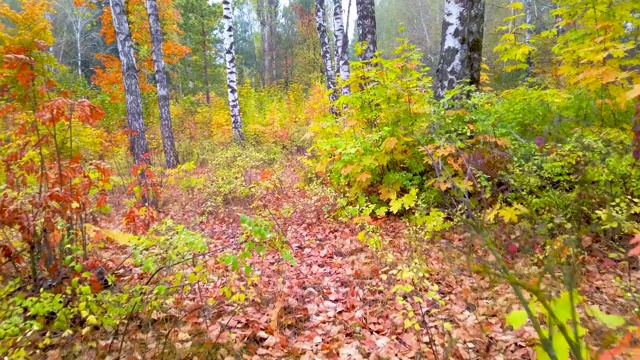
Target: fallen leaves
(337,301)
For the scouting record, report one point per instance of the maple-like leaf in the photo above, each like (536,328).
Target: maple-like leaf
(387,193)
(633,93)
(364,176)
(389,143)
(636,249)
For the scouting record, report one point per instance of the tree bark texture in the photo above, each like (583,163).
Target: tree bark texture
(527,36)
(342,46)
(137,139)
(232,77)
(461,45)
(325,50)
(166,126)
(366,26)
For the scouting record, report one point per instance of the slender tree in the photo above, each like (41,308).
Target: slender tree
(528,7)
(366,25)
(267,12)
(342,46)
(232,76)
(325,50)
(475,35)
(166,128)
(75,26)
(461,45)
(198,22)
(133,99)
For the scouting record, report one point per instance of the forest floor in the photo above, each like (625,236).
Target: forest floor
(337,301)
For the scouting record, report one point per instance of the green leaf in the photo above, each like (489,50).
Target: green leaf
(517,318)
(611,321)
(560,345)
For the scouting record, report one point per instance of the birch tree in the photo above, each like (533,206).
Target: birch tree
(528,8)
(267,12)
(232,76)
(77,33)
(366,26)
(133,99)
(325,50)
(475,36)
(342,46)
(461,45)
(166,128)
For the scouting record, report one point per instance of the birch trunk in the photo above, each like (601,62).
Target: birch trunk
(273,22)
(366,24)
(79,52)
(325,50)
(230,58)
(527,35)
(475,36)
(137,139)
(166,127)
(342,46)
(461,45)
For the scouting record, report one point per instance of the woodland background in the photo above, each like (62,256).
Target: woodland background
(320,179)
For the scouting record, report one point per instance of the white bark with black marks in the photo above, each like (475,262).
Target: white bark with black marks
(232,76)
(137,139)
(342,46)
(325,50)
(475,36)
(166,127)
(527,36)
(461,45)
(366,26)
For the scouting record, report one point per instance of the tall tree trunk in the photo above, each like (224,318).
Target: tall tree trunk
(366,25)
(461,45)
(527,36)
(262,11)
(166,127)
(342,42)
(230,58)
(325,50)
(273,21)
(137,139)
(475,37)
(79,53)
(205,60)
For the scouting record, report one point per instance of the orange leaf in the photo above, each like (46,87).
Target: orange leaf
(363,177)
(266,174)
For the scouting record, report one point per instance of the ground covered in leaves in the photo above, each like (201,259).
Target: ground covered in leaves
(344,299)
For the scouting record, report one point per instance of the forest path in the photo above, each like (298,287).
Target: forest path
(344,300)
(338,301)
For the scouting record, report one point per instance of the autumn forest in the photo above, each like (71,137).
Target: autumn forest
(320,179)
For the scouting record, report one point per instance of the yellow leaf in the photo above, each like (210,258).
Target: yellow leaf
(516,6)
(633,93)
(387,193)
(389,143)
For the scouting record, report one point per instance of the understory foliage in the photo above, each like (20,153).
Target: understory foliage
(543,171)
(58,281)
